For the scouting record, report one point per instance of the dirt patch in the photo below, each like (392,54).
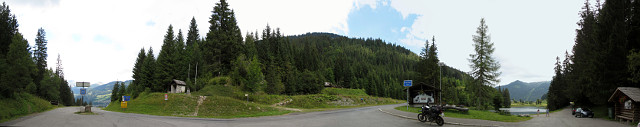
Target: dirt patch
(200,100)
(280,104)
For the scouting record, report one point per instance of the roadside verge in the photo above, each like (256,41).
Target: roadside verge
(405,115)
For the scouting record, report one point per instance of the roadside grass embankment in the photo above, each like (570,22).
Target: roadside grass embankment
(219,101)
(183,105)
(21,105)
(472,114)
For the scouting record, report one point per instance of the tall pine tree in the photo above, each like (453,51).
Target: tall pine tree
(223,42)
(166,66)
(40,54)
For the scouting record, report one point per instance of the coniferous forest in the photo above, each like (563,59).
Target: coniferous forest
(262,62)
(605,55)
(23,68)
(271,62)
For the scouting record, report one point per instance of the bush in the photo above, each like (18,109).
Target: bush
(344,91)
(222,80)
(21,104)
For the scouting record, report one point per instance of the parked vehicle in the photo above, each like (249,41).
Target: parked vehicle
(54,102)
(431,114)
(583,112)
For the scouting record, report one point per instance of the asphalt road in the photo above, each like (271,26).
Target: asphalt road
(355,117)
(565,119)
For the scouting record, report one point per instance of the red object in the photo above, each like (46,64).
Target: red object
(166,97)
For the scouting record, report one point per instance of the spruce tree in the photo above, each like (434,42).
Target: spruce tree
(138,82)
(166,63)
(148,71)
(8,28)
(483,66)
(192,35)
(114,91)
(122,90)
(223,42)
(507,98)
(40,54)
(20,68)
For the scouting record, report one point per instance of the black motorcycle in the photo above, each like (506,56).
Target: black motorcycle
(431,114)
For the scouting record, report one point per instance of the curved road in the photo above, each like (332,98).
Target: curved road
(355,117)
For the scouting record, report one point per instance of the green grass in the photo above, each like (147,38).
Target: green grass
(21,105)
(472,114)
(185,105)
(344,91)
(230,102)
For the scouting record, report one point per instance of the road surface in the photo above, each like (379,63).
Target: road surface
(565,119)
(355,117)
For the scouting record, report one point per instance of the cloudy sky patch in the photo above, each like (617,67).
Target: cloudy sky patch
(98,40)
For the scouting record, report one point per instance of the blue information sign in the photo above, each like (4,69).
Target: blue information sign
(408,83)
(126,98)
(83,91)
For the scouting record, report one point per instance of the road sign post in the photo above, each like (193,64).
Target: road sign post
(126,98)
(123,105)
(408,84)
(83,91)
(247,95)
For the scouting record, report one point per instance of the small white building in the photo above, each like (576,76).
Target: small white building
(178,86)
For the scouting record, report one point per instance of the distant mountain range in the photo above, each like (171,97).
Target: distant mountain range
(98,94)
(527,91)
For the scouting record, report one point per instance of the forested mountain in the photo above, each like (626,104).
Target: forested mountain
(527,91)
(273,63)
(370,64)
(100,95)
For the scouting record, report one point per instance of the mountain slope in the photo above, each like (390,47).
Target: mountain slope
(99,95)
(527,91)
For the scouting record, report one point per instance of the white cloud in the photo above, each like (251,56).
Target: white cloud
(99,40)
(528,35)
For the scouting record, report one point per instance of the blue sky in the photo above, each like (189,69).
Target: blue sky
(383,22)
(98,40)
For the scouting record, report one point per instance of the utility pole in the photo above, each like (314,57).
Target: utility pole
(196,82)
(440,66)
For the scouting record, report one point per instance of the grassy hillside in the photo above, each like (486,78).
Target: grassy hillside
(22,105)
(187,106)
(217,101)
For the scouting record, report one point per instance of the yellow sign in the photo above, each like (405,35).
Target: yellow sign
(123,104)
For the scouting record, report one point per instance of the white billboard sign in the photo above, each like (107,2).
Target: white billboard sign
(82,84)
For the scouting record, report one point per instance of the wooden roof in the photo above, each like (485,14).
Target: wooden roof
(179,82)
(632,92)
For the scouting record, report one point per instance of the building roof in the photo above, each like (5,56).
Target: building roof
(632,92)
(179,82)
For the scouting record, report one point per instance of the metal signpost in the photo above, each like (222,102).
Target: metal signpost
(408,83)
(83,91)
(247,95)
(123,104)
(126,98)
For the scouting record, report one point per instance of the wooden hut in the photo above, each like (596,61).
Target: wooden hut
(177,86)
(626,103)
